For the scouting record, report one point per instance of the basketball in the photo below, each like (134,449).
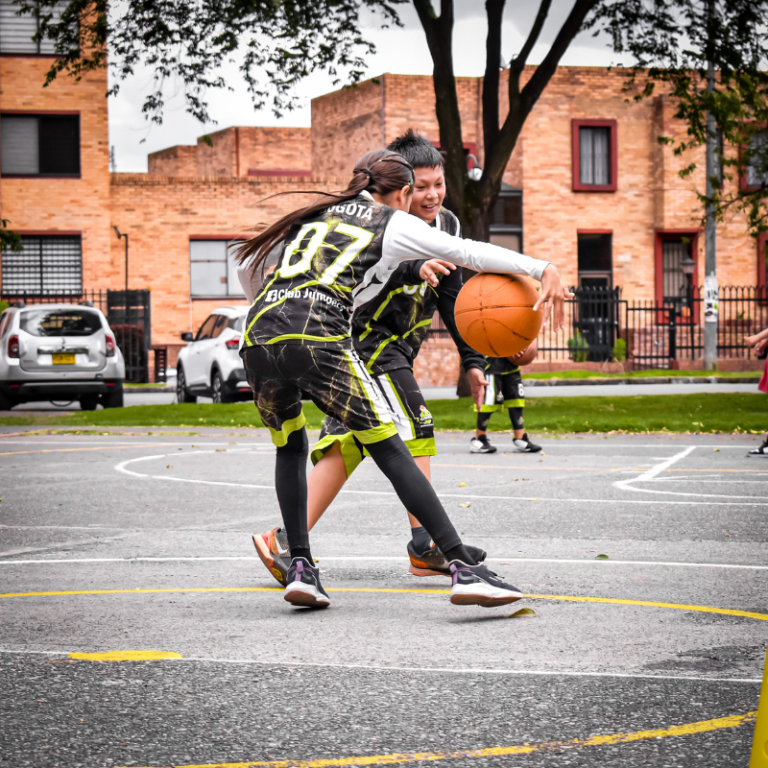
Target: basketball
(527,356)
(494,314)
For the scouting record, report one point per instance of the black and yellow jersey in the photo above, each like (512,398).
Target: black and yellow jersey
(311,294)
(500,366)
(389,331)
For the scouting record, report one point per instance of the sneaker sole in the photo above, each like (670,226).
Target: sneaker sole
(268,559)
(305,596)
(490,599)
(427,571)
(471,450)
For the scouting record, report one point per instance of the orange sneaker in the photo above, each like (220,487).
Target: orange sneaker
(273,551)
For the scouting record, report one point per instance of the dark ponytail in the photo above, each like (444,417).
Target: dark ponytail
(379,172)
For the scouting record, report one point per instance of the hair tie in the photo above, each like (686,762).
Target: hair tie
(367,173)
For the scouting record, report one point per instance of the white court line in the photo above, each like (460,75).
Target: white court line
(122,467)
(437,670)
(388,558)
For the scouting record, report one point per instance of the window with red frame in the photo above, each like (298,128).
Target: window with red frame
(757,169)
(594,148)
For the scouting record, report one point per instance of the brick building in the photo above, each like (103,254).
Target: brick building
(588,187)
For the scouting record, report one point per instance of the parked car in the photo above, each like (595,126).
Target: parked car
(59,352)
(210,365)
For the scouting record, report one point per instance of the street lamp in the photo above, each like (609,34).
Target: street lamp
(120,236)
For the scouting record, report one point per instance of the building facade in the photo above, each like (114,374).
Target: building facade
(589,187)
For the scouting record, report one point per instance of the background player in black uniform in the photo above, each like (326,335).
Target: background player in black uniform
(505,390)
(387,334)
(338,254)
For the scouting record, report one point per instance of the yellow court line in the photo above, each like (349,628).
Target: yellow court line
(384,590)
(97,448)
(688,729)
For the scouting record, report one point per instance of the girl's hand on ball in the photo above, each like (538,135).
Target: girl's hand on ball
(553,295)
(431,269)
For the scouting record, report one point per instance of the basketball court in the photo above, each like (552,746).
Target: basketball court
(138,543)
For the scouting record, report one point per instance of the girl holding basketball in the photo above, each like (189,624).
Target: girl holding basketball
(338,253)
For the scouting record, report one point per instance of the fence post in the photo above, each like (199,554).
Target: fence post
(672,337)
(759,757)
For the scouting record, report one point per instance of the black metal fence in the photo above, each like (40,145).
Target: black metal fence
(601,326)
(129,317)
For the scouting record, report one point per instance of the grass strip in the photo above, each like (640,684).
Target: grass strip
(717,412)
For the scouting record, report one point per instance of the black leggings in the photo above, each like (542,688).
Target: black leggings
(395,461)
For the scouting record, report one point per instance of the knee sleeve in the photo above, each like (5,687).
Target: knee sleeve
(516,415)
(482,421)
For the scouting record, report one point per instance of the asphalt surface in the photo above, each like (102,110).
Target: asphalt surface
(660,667)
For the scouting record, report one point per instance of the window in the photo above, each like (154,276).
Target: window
(206,329)
(506,224)
(40,145)
(46,265)
(594,148)
(595,254)
(674,281)
(212,267)
(757,169)
(16,32)
(69,322)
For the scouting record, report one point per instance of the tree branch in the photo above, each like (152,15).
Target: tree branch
(519,61)
(495,12)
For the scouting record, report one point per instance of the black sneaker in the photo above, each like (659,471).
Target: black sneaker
(524,444)
(303,586)
(761,451)
(477,585)
(481,445)
(432,562)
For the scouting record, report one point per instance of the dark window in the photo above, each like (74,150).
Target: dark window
(674,281)
(60,322)
(757,169)
(508,210)
(17,31)
(206,329)
(46,265)
(212,268)
(221,324)
(506,221)
(595,156)
(40,145)
(595,252)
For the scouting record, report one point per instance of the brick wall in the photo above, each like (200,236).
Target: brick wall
(161,213)
(64,204)
(180,160)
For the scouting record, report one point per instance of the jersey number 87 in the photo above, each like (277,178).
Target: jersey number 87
(361,238)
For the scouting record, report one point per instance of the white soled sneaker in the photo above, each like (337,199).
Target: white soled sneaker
(481,445)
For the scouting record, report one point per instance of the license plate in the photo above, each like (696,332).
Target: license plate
(63,359)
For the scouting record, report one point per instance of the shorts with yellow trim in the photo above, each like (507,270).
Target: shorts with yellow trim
(503,391)
(414,422)
(329,374)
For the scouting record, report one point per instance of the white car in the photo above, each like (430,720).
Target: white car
(210,365)
(59,352)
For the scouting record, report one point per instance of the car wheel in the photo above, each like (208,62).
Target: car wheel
(182,395)
(217,389)
(89,402)
(114,398)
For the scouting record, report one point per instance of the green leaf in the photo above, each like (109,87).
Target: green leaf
(523,613)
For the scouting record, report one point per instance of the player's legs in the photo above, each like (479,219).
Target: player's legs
(491,403)
(513,392)
(278,399)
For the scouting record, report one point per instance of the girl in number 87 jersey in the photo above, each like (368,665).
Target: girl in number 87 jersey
(337,254)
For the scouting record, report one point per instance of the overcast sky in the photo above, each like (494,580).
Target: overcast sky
(400,51)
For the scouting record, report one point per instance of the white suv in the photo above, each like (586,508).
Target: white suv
(210,365)
(59,352)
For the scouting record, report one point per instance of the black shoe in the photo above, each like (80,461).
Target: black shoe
(432,562)
(481,445)
(761,451)
(303,586)
(477,585)
(524,444)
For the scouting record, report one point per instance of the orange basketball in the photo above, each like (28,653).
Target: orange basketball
(527,356)
(494,314)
